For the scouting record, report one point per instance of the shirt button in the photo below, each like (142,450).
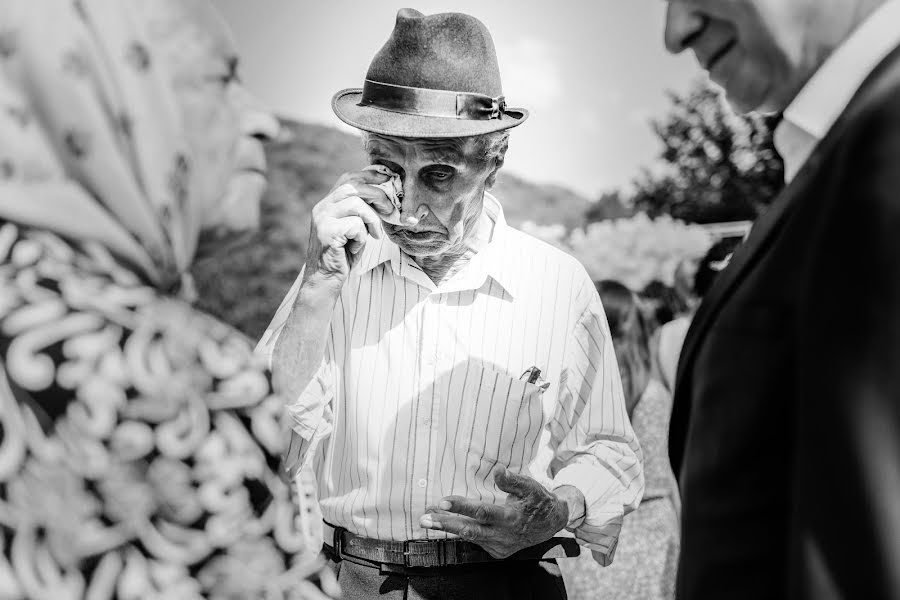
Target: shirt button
(423,483)
(426,422)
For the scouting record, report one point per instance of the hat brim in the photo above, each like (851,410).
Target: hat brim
(386,122)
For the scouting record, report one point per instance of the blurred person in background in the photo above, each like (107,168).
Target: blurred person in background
(786,426)
(140,438)
(660,303)
(692,280)
(455,390)
(647,555)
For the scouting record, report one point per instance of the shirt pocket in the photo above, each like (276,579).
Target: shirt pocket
(502,419)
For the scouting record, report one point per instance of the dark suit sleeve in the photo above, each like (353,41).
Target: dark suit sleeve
(846,533)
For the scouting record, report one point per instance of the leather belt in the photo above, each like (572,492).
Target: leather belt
(434,553)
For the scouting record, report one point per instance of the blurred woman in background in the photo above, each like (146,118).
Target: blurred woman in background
(692,280)
(140,439)
(647,554)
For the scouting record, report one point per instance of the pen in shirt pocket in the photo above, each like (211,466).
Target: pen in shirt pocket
(533,376)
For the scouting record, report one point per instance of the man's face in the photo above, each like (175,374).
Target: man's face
(760,51)
(443,184)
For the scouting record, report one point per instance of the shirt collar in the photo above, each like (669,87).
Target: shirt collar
(496,261)
(817,107)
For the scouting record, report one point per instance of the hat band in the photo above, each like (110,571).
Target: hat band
(426,102)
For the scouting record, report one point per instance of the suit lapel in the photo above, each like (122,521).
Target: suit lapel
(770,223)
(743,259)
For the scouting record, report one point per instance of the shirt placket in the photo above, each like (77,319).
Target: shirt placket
(428,405)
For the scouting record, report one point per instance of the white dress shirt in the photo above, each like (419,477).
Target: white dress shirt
(820,103)
(420,394)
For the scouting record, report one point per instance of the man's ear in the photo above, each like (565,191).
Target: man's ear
(495,168)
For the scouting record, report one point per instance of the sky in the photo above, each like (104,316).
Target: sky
(592,73)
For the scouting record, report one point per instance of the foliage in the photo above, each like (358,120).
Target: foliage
(716,165)
(634,251)
(610,205)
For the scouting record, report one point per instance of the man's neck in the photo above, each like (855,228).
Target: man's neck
(828,27)
(442,268)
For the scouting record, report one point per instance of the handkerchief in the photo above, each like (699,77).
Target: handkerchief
(393,188)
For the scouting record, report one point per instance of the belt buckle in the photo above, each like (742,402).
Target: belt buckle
(439,552)
(337,544)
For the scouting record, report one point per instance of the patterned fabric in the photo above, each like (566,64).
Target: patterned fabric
(140,439)
(421,393)
(647,557)
(91,143)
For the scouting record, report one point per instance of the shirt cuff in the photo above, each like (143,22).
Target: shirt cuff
(311,418)
(603,516)
(266,346)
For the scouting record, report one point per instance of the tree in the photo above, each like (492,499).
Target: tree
(610,205)
(715,165)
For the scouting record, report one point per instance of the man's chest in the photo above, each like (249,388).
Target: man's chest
(400,340)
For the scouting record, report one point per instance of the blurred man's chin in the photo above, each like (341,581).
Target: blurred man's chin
(745,95)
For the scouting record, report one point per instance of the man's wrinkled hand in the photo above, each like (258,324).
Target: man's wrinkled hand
(342,223)
(530,515)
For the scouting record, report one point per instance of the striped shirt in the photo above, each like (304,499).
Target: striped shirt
(420,394)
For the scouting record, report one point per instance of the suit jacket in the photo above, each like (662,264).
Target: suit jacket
(785,434)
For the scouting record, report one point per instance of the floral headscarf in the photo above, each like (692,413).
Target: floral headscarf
(90,140)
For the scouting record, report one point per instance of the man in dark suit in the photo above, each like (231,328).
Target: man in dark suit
(786,428)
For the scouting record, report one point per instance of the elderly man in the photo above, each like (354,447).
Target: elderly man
(786,427)
(454,377)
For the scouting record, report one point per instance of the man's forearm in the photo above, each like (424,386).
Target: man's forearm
(300,347)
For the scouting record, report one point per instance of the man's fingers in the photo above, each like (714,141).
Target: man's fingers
(339,233)
(356,207)
(480,511)
(370,177)
(372,195)
(513,483)
(465,527)
(355,247)
(357,234)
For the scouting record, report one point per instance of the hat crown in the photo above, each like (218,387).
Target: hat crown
(446,51)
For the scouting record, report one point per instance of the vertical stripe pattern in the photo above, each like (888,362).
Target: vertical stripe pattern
(428,398)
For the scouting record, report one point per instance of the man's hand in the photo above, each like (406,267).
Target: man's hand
(341,224)
(531,515)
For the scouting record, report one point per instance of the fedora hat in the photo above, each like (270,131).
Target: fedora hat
(436,77)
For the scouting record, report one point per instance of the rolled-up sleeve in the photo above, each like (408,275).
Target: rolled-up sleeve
(312,418)
(310,414)
(595,448)
(266,344)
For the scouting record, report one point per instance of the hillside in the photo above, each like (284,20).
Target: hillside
(245,286)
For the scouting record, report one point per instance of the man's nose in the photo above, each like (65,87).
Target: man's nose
(683,23)
(412,204)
